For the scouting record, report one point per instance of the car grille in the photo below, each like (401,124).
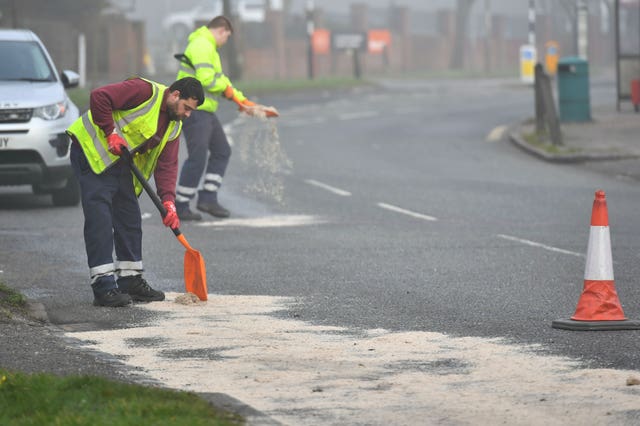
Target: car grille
(15,115)
(19,156)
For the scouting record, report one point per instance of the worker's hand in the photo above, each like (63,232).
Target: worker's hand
(116,143)
(171,218)
(246,106)
(229,93)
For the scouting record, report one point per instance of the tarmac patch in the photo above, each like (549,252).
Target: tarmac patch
(304,374)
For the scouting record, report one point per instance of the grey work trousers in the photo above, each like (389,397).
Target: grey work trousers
(209,152)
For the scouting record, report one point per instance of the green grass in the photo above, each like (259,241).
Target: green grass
(80,96)
(542,142)
(45,399)
(39,399)
(266,86)
(11,303)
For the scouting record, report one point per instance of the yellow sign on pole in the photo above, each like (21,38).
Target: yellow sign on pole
(552,52)
(528,59)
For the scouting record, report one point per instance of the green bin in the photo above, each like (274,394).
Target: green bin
(573,90)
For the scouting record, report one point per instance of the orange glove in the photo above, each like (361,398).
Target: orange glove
(116,143)
(171,218)
(245,106)
(229,93)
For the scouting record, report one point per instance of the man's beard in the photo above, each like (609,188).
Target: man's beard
(173,116)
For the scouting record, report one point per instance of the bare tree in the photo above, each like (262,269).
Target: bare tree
(463,9)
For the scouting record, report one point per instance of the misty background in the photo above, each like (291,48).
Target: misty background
(139,37)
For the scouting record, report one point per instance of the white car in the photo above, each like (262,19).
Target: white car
(34,114)
(180,24)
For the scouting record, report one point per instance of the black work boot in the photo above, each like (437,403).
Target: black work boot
(112,298)
(137,287)
(186,215)
(213,208)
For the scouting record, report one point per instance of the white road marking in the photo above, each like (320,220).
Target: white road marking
(301,123)
(358,115)
(496,134)
(146,215)
(329,188)
(403,111)
(304,374)
(544,246)
(407,212)
(277,221)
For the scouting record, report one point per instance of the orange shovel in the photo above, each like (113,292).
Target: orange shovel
(195,275)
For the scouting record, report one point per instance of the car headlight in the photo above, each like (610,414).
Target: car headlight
(53,111)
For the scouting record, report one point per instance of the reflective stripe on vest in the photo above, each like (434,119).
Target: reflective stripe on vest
(211,101)
(136,126)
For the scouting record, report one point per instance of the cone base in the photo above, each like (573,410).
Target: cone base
(569,324)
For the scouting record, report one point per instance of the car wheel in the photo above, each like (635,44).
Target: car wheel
(67,196)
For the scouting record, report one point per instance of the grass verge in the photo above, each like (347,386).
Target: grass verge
(80,96)
(39,399)
(12,303)
(542,142)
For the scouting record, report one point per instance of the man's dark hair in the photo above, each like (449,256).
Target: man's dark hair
(220,21)
(189,87)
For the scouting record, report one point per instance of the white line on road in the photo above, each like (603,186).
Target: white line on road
(278,221)
(407,212)
(302,122)
(496,134)
(544,246)
(329,188)
(357,115)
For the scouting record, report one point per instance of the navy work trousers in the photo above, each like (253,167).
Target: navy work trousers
(111,218)
(208,148)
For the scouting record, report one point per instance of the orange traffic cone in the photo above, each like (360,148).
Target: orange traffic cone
(599,307)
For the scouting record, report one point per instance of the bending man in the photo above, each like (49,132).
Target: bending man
(145,118)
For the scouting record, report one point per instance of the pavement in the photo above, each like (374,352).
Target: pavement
(609,143)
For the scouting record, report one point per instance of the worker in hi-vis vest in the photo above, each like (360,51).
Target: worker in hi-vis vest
(207,144)
(144,118)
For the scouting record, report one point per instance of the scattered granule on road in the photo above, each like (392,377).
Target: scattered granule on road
(188,299)
(304,374)
(257,141)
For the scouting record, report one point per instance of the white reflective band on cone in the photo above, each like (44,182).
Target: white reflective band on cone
(599,266)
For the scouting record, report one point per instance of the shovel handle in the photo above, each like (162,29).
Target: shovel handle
(126,156)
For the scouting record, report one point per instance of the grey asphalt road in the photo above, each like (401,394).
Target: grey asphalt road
(405,153)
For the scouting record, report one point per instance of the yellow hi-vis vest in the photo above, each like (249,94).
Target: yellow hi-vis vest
(136,126)
(205,65)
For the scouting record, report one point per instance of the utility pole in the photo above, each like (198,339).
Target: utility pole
(583,29)
(235,69)
(532,23)
(487,35)
(310,9)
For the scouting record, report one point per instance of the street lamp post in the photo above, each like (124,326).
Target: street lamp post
(310,29)
(583,16)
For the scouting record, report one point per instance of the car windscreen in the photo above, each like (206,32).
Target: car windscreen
(25,61)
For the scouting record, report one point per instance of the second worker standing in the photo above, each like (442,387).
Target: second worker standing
(207,145)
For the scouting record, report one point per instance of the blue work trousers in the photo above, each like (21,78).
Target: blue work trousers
(111,218)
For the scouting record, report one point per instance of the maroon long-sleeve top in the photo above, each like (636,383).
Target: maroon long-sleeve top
(129,94)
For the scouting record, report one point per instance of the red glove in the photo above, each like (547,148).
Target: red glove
(171,218)
(116,143)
